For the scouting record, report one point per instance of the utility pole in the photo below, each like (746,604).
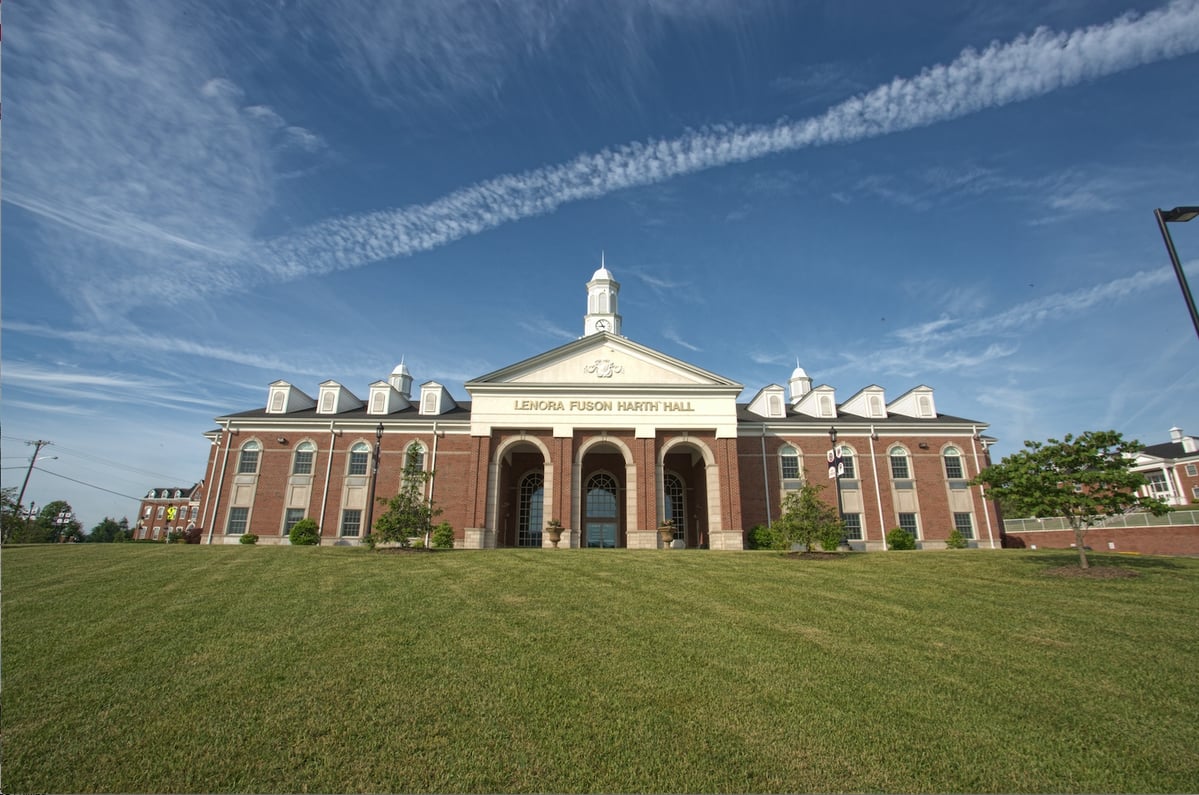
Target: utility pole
(38,445)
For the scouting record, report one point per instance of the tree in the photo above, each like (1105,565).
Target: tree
(109,530)
(11,521)
(408,513)
(807,520)
(59,522)
(1083,478)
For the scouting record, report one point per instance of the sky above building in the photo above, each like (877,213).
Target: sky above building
(201,198)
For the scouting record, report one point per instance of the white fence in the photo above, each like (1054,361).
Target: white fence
(1124,520)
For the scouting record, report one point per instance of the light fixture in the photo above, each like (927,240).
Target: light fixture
(923,445)
(1179,215)
(282,440)
(379,432)
(832,435)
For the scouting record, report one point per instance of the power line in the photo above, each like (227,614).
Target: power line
(98,488)
(101,460)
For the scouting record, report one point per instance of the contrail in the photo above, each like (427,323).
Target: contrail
(1003,73)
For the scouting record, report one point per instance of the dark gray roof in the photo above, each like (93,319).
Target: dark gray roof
(851,420)
(1168,450)
(459,412)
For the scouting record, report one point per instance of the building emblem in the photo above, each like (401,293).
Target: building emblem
(603,368)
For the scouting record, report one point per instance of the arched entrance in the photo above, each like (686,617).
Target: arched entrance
(522,501)
(604,504)
(684,492)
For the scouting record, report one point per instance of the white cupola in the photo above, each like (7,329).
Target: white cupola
(602,314)
(800,384)
(401,380)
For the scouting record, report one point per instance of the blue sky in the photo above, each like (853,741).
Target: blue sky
(203,197)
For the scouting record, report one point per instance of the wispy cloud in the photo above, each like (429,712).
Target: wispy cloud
(672,335)
(1000,74)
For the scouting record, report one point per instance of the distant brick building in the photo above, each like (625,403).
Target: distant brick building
(166,509)
(606,436)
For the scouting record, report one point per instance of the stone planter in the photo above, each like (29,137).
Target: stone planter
(666,534)
(554,534)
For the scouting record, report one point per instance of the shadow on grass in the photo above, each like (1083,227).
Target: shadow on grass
(1069,558)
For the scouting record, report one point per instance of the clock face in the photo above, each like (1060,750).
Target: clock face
(601,325)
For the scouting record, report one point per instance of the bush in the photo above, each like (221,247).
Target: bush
(176,537)
(248,538)
(443,536)
(304,533)
(956,540)
(898,538)
(418,543)
(763,537)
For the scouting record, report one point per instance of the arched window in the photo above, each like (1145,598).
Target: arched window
(302,463)
(899,464)
(247,462)
(601,511)
(359,455)
(953,463)
(849,470)
(530,510)
(415,457)
(789,462)
(676,504)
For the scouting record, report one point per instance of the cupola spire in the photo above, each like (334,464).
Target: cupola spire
(602,291)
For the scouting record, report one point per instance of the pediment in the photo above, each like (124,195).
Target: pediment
(601,360)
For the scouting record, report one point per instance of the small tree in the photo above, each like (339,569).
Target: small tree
(956,540)
(443,536)
(807,519)
(1083,478)
(107,531)
(898,538)
(408,513)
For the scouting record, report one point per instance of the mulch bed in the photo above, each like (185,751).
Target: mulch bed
(817,555)
(1093,573)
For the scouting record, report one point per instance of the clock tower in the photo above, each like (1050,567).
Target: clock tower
(601,303)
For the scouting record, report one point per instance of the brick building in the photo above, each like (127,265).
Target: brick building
(166,509)
(606,436)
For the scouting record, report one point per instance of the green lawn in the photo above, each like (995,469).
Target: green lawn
(134,668)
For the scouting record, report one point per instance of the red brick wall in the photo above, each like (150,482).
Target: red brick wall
(1171,540)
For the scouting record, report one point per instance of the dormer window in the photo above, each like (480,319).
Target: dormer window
(327,402)
(277,401)
(429,403)
(826,406)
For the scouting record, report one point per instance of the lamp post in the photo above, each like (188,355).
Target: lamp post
(370,505)
(1179,215)
(835,469)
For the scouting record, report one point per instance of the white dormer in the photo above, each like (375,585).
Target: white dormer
(401,380)
(335,398)
(386,399)
(870,402)
(435,399)
(800,384)
(769,403)
(916,402)
(284,398)
(602,313)
(821,403)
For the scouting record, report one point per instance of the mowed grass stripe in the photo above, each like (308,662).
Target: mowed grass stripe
(142,668)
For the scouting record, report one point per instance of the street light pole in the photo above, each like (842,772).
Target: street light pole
(835,468)
(1179,215)
(370,505)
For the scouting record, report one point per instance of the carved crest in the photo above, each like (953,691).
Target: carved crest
(603,368)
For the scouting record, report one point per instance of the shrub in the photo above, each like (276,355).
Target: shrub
(304,533)
(248,538)
(763,537)
(176,537)
(898,538)
(443,536)
(418,543)
(956,540)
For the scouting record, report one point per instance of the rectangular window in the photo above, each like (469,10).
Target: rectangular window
(195,512)
(358,463)
(148,510)
(1195,492)
(1192,470)
(157,530)
(953,467)
(1157,481)
(351,522)
(790,467)
(907,521)
(237,521)
(247,463)
(161,510)
(899,467)
(290,518)
(853,526)
(964,524)
(849,472)
(303,463)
